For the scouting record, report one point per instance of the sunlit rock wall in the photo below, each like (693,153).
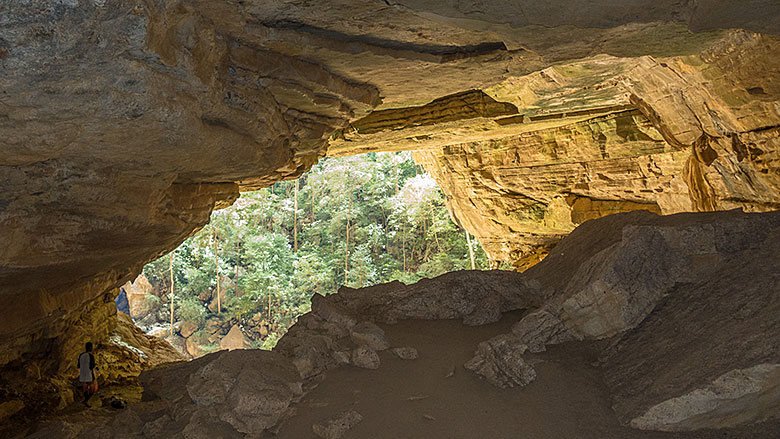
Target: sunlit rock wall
(601,136)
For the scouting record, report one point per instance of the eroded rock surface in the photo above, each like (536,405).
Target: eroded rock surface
(476,297)
(336,427)
(687,300)
(248,389)
(603,135)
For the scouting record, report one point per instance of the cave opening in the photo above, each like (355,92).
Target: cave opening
(244,279)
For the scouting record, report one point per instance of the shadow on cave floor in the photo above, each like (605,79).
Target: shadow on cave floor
(567,400)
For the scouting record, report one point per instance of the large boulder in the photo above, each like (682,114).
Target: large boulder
(687,301)
(140,297)
(476,297)
(249,390)
(235,339)
(187,328)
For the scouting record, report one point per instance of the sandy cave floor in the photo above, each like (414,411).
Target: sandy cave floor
(567,400)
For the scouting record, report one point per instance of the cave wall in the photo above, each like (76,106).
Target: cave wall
(599,136)
(123,123)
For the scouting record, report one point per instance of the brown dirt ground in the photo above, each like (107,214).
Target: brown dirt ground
(567,400)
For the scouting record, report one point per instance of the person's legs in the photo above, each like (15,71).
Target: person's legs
(87,389)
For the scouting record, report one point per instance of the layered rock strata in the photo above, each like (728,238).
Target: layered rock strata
(125,122)
(688,302)
(601,136)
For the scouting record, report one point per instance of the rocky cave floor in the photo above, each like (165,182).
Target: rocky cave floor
(434,397)
(635,326)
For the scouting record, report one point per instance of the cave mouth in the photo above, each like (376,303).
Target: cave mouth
(353,222)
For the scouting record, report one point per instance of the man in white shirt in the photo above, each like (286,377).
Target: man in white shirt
(87,373)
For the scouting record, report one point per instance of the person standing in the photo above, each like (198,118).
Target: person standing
(87,373)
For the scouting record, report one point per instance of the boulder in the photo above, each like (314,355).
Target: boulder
(178,343)
(213,324)
(140,297)
(477,297)
(187,329)
(335,427)
(371,335)
(365,357)
(311,353)
(235,339)
(194,348)
(329,312)
(500,360)
(406,353)
(249,390)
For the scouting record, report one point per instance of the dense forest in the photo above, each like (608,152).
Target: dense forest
(354,221)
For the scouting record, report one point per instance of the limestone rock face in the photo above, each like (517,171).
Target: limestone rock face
(686,300)
(599,136)
(154,351)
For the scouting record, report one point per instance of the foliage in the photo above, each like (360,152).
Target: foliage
(360,221)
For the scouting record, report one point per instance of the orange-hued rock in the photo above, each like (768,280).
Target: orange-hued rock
(124,124)
(138,292)
(235,339)
(600,136)
(187,329)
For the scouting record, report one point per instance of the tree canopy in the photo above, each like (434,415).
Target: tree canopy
(354,221)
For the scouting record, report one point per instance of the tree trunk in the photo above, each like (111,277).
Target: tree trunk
(295,219)
(235,275)
(384,228)
(403,245)
(346,256)
(395,168)
(471,251)
(435,235)
(311,185)
(216,263)
(170,267)
(349,211)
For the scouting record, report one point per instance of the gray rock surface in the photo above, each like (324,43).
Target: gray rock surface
(335,427)
(739,396)
(477,297)
(365,357)
(500,361)
(247,390)
(681,297)
(406,353)
(371,335)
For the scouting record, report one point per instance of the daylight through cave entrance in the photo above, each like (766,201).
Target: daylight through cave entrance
(351,221)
